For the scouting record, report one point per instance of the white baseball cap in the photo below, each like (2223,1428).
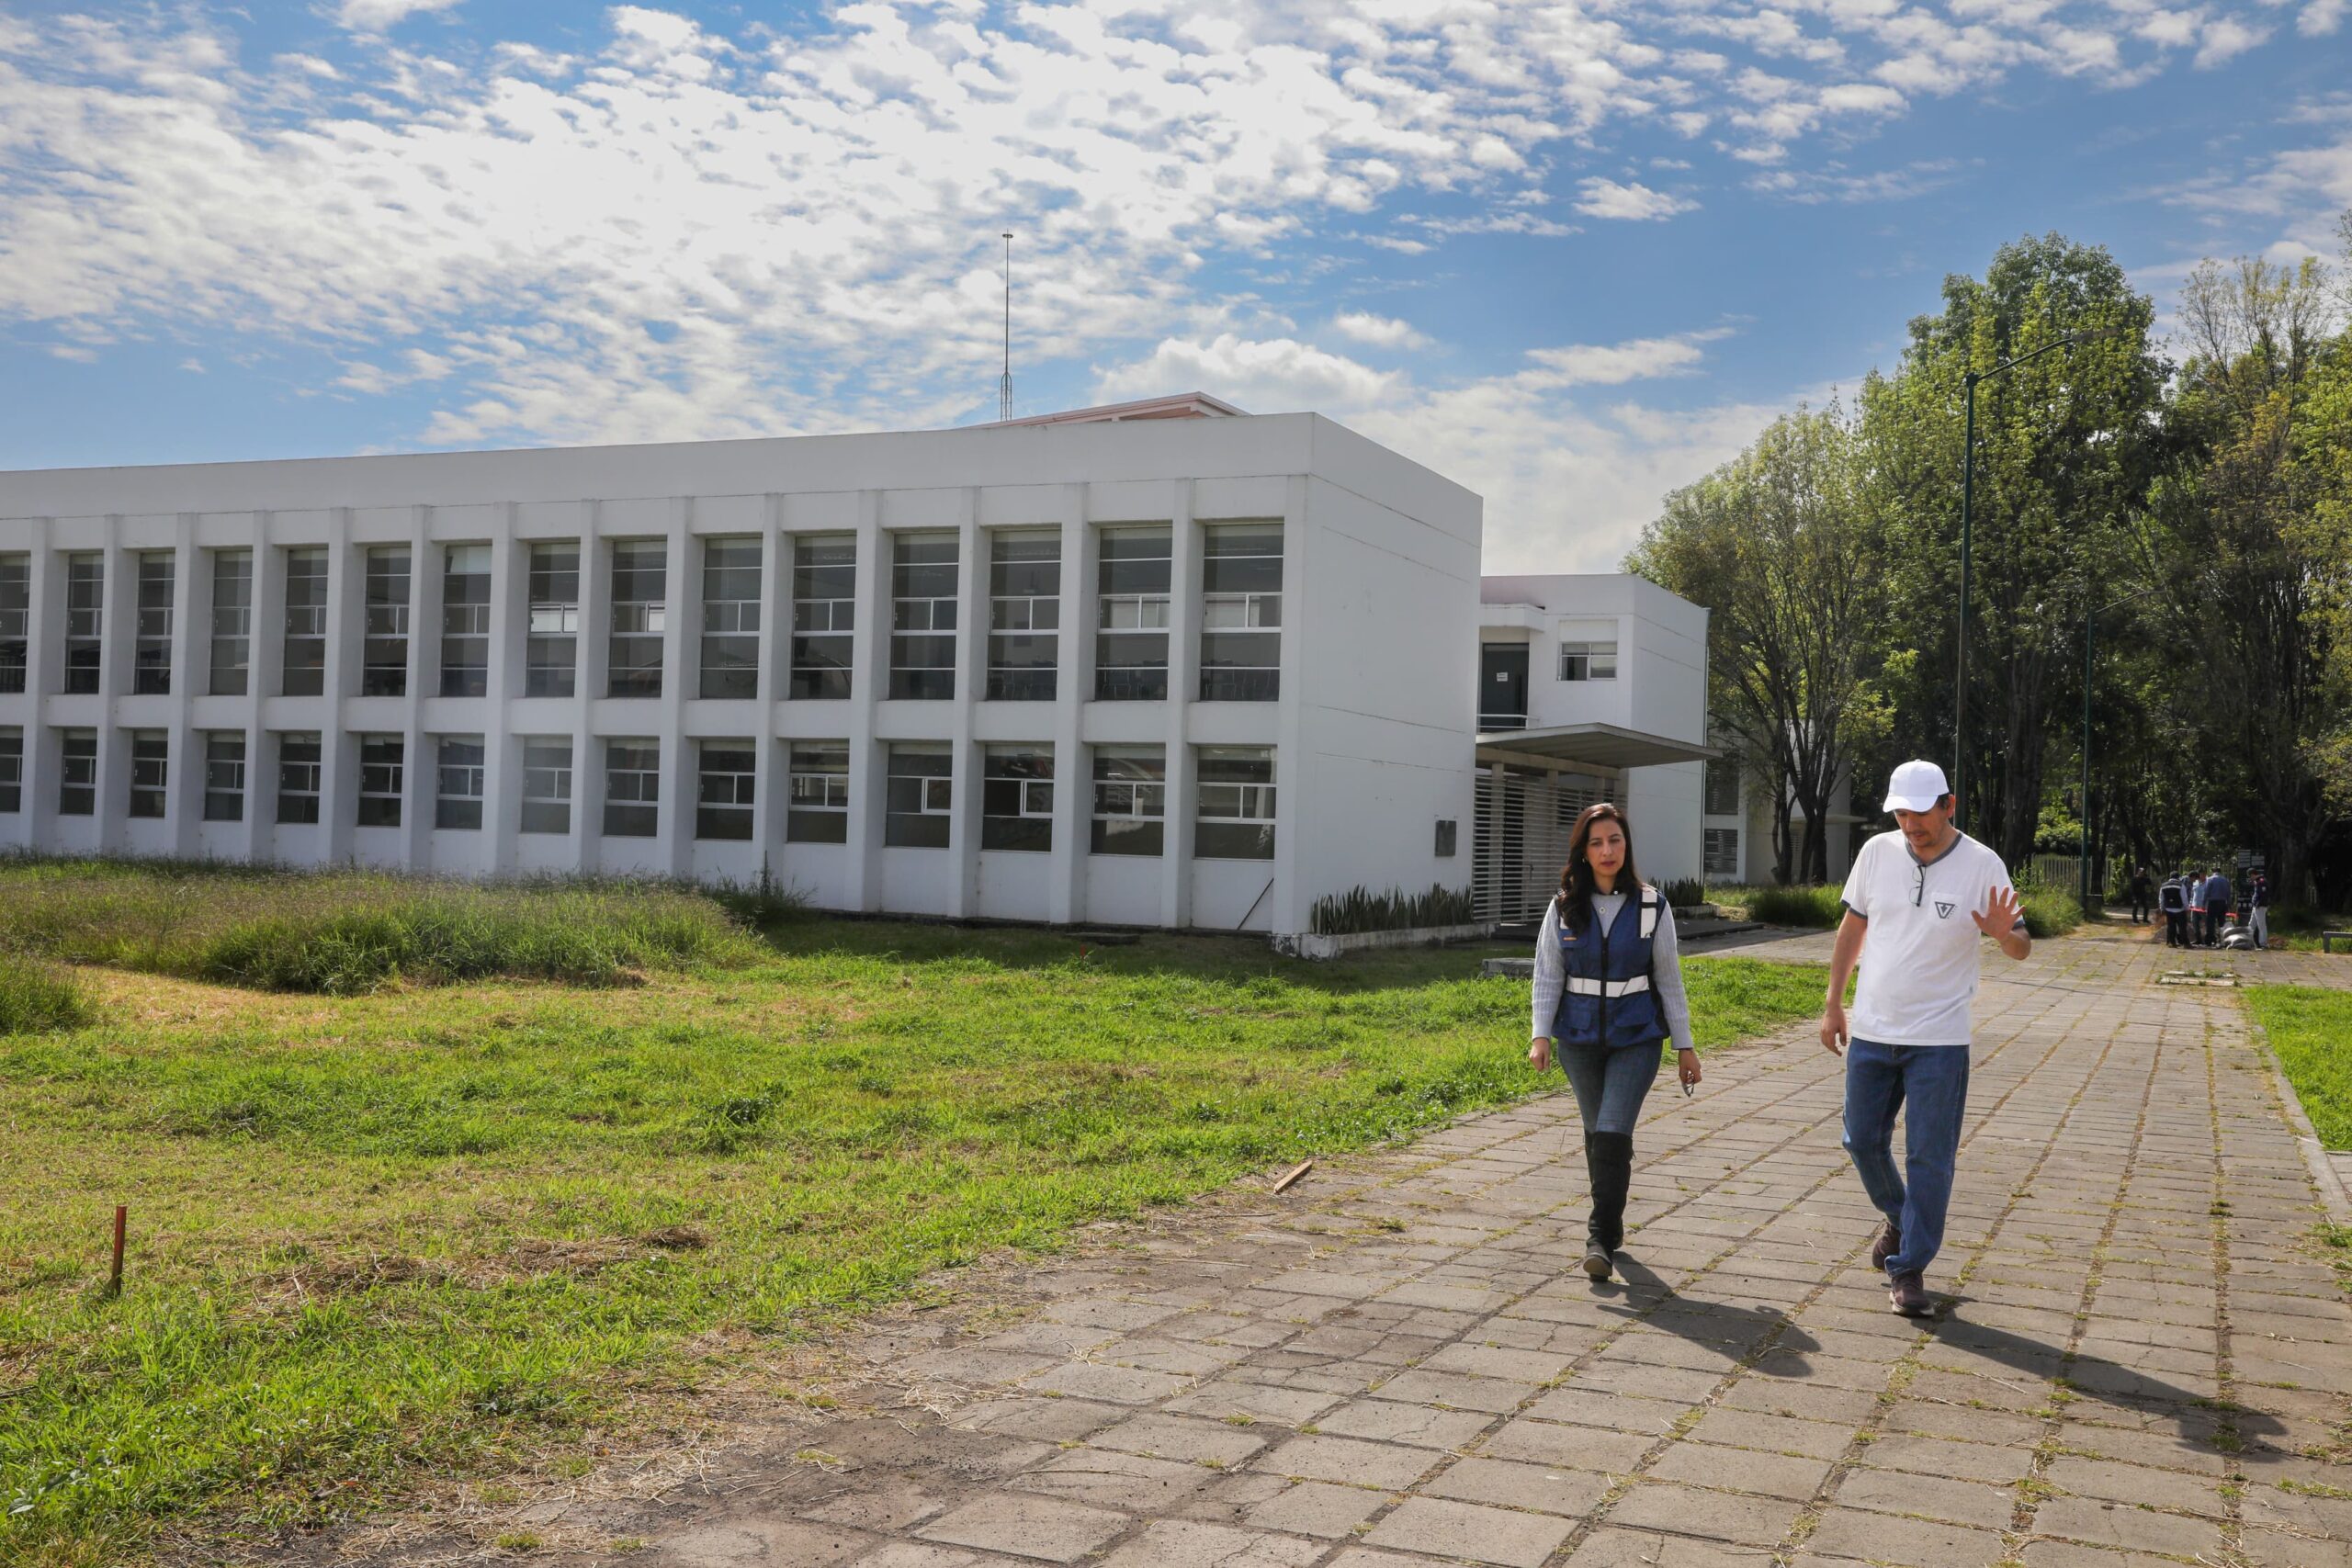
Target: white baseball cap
(1915,786)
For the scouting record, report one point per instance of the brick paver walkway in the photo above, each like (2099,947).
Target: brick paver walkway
(2141,1363)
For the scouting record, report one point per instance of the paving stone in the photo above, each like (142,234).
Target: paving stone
(888,1506)
(2124,1524)
(1773,1434)
(1385,1420)
(1613,1548)
(1116,1385)
(1188,1543)
(1051,1421)
(1390,1465)
(1317,1508)
(1942,1456)
(1227,1398)
(1182,1437)
(2115,1483)
(1930,1496)
(1465,1530)
(1742,1470)
(1715,1516)
(1509,1485)
(1023,1525)
(1571,1448)
(772,1542)
(1848,1535)
(1117,1480)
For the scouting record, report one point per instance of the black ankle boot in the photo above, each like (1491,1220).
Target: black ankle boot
(1608,1157)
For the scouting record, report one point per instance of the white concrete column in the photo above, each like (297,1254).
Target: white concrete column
(184,803)
(770,780)
(44,670)
(971,680)
(264,664)
(1184,683)
(118,609)
(502,779)
(594,656)
(1073,688)
(868,680)
(681,679)
(418,752)
(1287,906)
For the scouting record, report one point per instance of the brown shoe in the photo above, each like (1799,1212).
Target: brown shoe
(1889,1243)
(1908,1295)
(1596,1262)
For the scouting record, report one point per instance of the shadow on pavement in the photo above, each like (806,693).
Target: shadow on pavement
(2097,1378)
(1736,1330)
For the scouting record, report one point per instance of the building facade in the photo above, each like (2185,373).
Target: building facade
(1142,671)
(1737,826)
(1590,687)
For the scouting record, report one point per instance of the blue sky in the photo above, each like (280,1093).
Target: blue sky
(1569,251)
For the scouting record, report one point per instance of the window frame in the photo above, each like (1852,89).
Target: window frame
(738,622)
(540,773)
(85,577)
(314,765)
(224,801)
(77,754)
(383,764)
(816,796)
(15,620)
(644,793)
(934,796)
(232,623)
(1711,863)
(916,619)
(812,680)
(1244,615)
(1130,682)
(306,675)
(12,771)
(1109,822)
(1254,803)
(1014,618)
(551,619)
(647,627)
(1028,828)
(457,810)
(466,596)
(152,623)
(386,622)
(1589,659)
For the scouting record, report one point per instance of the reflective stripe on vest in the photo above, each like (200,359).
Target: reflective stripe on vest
(1580,987)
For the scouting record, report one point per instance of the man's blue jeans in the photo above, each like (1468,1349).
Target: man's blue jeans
(1932,1080)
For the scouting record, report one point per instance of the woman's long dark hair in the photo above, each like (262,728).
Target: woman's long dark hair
(1576,877)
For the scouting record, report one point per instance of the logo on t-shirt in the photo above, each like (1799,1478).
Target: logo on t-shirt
(1943,909)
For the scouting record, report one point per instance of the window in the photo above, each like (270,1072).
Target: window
(151,755)
(824,613)
(151,666)
(818,812)
(1234,818)
(457,790)
(1024,615)
(922,615)
(641,576)
(731,619)
(16,623)
(85,589)
(298,778)
(723,790)
(305,673)
(547,786)
(1017,798)
(1241,613)
(383,653)
(465,620)
(1588,651)
(383,766)
(77,773)
(1722,787)
(551,645)
(232,622)
(1131,615)
(917,795)
(1130,800)
(224,777)
(632,788)
(1720,848)
(12,772)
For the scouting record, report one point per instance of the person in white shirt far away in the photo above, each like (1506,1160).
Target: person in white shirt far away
(1916,899)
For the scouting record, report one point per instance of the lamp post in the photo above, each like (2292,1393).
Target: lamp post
(2083,837)
(1967,520)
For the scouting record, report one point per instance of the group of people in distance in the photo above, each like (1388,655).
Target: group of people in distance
(2198,905)
(1609,992)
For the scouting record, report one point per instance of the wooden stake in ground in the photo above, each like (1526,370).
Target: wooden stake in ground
(114,1281)
(1283,1181)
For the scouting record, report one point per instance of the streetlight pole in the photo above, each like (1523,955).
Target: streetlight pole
(1967,521)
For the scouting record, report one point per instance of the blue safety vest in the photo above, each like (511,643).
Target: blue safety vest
(1607,999)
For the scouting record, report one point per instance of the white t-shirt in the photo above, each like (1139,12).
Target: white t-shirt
(1919,955)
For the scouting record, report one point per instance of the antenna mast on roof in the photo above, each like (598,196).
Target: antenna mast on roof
(1004,383)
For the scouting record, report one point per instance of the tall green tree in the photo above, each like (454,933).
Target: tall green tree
(1779,546)
(2066,445)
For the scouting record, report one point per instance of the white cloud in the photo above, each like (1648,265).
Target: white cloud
(1607,199)
(193,367)
(1269,376)
(2319,19)
(1380,331)
(2226,40)
(382,16)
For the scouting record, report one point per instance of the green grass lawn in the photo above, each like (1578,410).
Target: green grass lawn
(2309,1027)
(434,1226)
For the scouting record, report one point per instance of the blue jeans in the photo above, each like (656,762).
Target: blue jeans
(1610,1085)
(1932,1081)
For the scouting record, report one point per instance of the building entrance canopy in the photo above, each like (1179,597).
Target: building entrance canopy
(1607,746)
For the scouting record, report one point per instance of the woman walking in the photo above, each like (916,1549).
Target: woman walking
(1608,989)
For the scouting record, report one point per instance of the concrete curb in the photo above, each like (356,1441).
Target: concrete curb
(2332,1194)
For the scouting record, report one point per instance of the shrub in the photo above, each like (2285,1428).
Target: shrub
(1360,910)
(1685,891)
(39,998)
(1815,908)
(342,932)
(2048,911)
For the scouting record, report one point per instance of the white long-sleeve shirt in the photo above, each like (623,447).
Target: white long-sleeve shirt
(1666,968)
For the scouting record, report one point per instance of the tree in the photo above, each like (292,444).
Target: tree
(1778,545)
(2065,447)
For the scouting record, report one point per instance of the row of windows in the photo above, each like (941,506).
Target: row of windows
(1240,640)
(1233,799)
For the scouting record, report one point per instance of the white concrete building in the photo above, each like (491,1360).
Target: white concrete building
(1737,825)
(1591,687)
(1150,669)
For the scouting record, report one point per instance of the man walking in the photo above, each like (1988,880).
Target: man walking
(1914,901)
(2173,899)
(2217,906)
(2141,889)
(2257,908)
